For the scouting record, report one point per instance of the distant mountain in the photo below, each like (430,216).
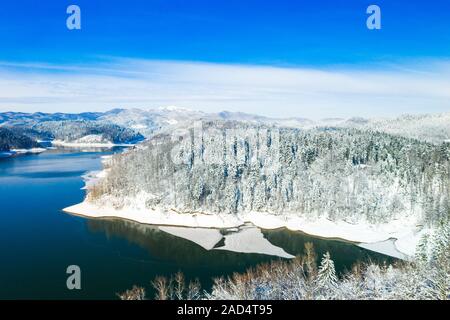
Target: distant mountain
(255,119)
(149,122)
(141,122)
(241,116)
(434,128)
(20,118)
(87,131)
(87,127)
(10,139)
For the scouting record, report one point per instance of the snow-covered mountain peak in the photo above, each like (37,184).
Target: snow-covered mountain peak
(175,108)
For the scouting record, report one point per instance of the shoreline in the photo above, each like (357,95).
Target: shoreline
(61,143)
(396,239)
(58,143)
(19,152)
(55,144)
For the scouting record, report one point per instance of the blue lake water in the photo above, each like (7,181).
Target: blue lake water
(38,241)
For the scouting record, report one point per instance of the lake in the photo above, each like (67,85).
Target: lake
(38,241)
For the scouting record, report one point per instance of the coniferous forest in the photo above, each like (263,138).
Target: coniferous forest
(342,174)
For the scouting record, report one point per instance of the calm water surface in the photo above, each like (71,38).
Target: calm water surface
(38,241)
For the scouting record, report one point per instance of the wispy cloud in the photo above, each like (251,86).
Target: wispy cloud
(274,91)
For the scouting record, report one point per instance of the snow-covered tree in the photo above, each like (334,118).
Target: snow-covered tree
(326,277)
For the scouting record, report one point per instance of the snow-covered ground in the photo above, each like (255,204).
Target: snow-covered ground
(156,217)
(251,240)
(25,151)
(206,238)
(91,177)
(247,239)
(386,247)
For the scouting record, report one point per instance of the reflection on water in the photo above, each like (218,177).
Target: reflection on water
(343,253)
(168,247)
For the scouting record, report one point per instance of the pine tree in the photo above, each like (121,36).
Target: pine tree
(421,256)
(326,277)
(440,269)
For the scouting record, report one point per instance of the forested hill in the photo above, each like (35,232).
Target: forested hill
(434,128)
(69,131)
(9,139)
(88,127)
(230,167)
(85,131)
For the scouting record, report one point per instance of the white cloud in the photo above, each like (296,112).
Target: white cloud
(273,91)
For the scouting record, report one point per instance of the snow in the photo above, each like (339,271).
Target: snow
(138,126)
(32,150)
(172,121)
(156,217)
(106,161)
(15,152)
(91,178)
(88,144)
(206,238)
(251,240)
(174,108)
(81,144)
(386,247)
(408,242)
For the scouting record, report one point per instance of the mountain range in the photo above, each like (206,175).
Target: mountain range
(138,123)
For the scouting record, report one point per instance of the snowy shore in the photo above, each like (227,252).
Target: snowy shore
(397,239)
(16,152)
(61,143)
(58,143)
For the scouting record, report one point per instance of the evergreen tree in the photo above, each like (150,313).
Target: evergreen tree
(421,255)
(440,263)
(339,174)
(326,277)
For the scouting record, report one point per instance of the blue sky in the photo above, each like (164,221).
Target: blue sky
(149,43)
